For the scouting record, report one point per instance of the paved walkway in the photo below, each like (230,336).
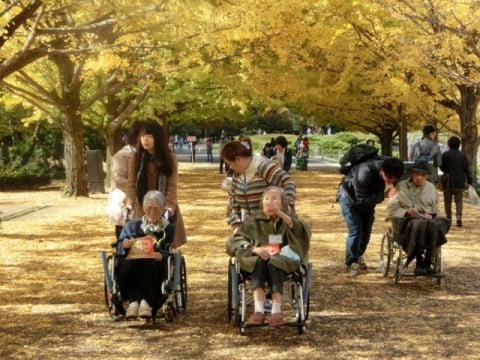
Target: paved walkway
(314,163)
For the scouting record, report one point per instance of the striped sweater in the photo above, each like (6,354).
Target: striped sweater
(247,188)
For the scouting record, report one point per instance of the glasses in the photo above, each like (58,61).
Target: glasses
(153,209)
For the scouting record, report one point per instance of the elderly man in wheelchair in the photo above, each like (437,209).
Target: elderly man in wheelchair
(270,243)
(419,229)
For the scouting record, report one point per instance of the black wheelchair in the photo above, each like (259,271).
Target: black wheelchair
(174,287)
(393,257)
(296,296)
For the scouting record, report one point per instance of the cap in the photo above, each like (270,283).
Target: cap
(427,129)
(420,166)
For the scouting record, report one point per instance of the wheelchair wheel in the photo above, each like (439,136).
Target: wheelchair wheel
(301,308)
(438,265)
(399,270)
(233,315)
(169,312)
(112,301)
(181,291)
(386,253)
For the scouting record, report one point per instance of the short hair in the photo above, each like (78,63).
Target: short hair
(427,129)
(393,167)
(454,142)
(235,148)
(283,196)
(370,141)
(154,195)
(282,141)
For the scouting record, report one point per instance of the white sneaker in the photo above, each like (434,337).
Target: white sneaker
(132,310)
(145,311)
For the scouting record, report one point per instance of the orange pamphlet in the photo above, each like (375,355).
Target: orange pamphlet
(272,248)
(142,247)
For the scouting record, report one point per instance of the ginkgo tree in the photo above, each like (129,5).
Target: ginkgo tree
(360,64)
(442,44)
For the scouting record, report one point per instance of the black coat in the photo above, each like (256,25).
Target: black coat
(455,164)
(364,185)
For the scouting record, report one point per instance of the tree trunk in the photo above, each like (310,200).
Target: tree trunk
(470,98)
(403,141)
(385,134)
(74,148)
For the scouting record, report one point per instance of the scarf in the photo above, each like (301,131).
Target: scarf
(161,180)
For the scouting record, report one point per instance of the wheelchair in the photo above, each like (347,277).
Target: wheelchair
(174,287)
(393,257)
(296,296)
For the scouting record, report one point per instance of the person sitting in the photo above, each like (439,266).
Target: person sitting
(269,244)
(421,230)
(145,242)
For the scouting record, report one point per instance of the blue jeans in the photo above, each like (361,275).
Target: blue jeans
(359,225)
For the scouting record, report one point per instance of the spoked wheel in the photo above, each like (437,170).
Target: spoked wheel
(181,295)
(302,310)
(169,312)
(385,253)
(108,298)
(113,303)
(398,269)
(438,265)
(233,315)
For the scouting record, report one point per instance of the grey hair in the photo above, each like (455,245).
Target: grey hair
(154,195)
(283,196)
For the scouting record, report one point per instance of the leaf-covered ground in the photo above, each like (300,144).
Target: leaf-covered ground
(52,305)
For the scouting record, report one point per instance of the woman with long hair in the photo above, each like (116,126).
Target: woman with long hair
(155,167)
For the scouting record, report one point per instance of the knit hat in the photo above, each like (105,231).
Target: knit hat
(420,166)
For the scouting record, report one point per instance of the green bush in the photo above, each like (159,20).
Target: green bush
(19,181)
(330,146)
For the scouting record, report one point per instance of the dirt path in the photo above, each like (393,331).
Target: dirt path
(51,288)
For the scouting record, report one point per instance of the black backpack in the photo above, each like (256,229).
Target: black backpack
(356,155)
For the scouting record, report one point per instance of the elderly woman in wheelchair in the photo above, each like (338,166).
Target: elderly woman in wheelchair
(420,230)
(145,242)
(269,244)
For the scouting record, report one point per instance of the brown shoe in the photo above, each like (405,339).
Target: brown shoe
(256,318)
(276,319)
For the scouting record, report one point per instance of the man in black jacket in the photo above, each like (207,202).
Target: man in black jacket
(360,191)
(455,166)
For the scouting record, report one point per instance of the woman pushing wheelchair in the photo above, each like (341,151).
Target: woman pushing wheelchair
(269,244)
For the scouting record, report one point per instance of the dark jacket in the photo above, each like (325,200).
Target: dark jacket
(455,164)
(287,159)
(364,185)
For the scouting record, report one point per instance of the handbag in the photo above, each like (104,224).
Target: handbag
(473,196)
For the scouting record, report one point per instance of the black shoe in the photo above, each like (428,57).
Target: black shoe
(459,223)
(430,271)
(420,271)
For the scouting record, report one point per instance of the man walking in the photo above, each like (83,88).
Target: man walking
(457,170)
(428,150)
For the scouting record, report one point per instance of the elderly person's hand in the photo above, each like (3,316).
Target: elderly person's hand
(128,243)
(261,252)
